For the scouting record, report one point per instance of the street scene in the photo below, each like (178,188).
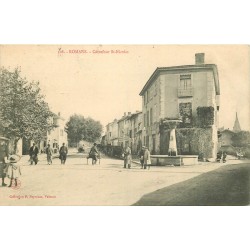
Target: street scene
(85,184)
(124,125)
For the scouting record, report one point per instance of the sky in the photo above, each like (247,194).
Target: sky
(105,85)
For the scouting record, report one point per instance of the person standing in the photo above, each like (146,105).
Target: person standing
(147,159)
(141,155)
(49,153)
(3,161)
(127,157)
(33,154)
(63,153)
(93,154)
(224,156)
(14,170)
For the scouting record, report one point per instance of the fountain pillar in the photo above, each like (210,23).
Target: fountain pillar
(172,124)
(172,150)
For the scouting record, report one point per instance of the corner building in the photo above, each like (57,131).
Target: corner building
(177,92)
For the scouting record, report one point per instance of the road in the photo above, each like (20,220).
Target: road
(226,186)
(77,183)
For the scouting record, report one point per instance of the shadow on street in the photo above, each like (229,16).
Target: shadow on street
(226,186)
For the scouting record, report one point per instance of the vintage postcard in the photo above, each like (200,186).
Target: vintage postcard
(121,125)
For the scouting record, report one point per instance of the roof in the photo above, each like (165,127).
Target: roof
(124,118)
(182,69)
(227,131)
(135,114)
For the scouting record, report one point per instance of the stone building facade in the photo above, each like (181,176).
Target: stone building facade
(112,133)
(177,92)
(127,131)
(57,136)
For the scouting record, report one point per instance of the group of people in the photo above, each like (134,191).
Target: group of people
(63,152)
(144,155)
(145,158)
(33,153)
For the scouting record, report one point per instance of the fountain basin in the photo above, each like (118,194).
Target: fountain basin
(179,160)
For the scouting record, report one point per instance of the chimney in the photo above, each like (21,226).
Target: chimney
(124,113)
(59,114)
(199,58)
(129,113)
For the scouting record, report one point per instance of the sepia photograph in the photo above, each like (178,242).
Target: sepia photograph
(124,125)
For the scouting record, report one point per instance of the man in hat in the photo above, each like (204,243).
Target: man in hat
(63,153)
(33,154)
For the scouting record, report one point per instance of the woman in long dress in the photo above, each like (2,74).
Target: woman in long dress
(127,157)
(147,159)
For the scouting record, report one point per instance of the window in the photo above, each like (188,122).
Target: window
(185,86)
(185,81)
(155,89)
(185,110)
(155,113)
(149,94)
(147,118)
(151,116)
(61,132)
(139,126)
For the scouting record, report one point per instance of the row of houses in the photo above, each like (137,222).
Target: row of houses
(126,131)
(172,93)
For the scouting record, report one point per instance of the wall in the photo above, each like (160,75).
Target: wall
(200,81)
(151,125)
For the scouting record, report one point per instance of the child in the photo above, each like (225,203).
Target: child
(14,170)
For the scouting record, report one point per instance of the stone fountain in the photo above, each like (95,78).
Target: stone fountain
(173,159)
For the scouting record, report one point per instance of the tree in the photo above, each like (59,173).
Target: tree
(241,139)
(78,127)
(24,112)
(205,117)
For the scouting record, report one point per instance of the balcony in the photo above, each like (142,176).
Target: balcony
(185,92)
